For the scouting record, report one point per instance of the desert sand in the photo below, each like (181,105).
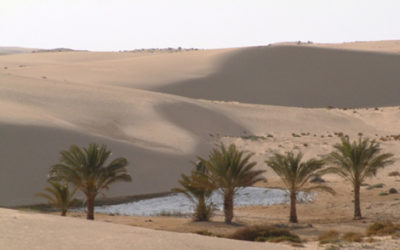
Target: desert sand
(162,109)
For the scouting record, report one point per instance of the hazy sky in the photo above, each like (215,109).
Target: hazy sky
(130,24)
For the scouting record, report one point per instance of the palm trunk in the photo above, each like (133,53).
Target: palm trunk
(90,207)
(228,206)
(293,214)
(357,207)
(201,213)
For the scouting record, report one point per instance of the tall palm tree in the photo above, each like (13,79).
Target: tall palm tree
(85,169)
(197,189)
(296,174)
(230,169)
(355,161)
(59,196)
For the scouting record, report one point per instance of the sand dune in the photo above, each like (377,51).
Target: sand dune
(299,76)
(49,101)
(15,50)
(37,231)
(310,75)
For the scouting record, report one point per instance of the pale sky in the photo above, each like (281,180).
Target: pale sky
(133,24)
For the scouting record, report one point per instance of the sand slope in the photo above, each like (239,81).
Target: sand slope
(37,231)
(300,76)
(49,101)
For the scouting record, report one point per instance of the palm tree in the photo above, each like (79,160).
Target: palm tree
(85,169)
(197,189)
(355,161)
(295,174)
(59,196)
(230,169)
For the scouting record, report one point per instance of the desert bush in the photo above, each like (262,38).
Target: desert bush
(379,185)
(352,237)
(253,137)
(265,233)
(394,173)
(393,191)
(383,194)
(329,237)
(208,233)
(382,228)
(172,214)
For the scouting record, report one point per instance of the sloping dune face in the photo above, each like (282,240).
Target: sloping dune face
(49,101)
(300,76)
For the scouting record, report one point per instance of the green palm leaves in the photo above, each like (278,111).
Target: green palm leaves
(197,189)
(295,174)
(230,169)
(86,169)
(60,196)
(355,161)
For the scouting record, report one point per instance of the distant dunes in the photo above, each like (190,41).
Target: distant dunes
(299,76)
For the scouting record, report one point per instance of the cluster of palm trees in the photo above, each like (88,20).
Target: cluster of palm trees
(229,169)
(226,169)
(84,169)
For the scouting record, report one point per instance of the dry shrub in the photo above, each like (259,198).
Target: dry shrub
(264,233)
(394,173)
(382,228)
(352,237)
(329,237)
(208,233)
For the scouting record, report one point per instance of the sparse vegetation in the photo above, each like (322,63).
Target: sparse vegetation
(208,233)
(382,228)
(253,137)
(352,237)
(379,185)
(394,173)
(329,237)
(264,233)
(393,191)
(173,214)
